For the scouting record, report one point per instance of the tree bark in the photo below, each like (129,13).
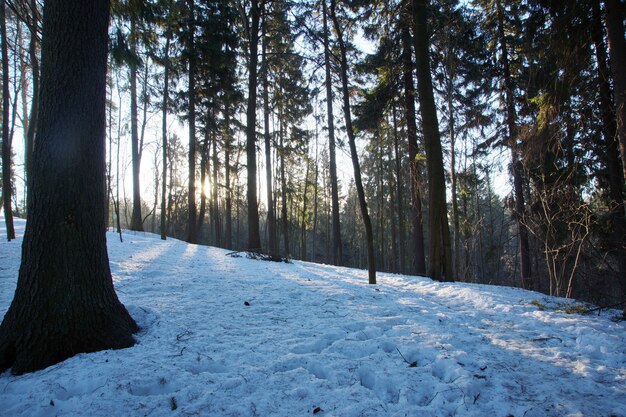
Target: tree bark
(136,220)
(65,302)
(617,54)
(7,186)
(516,164)
(228,226)
(371,260)
(254,234)
(34,63)
(440,260)
(400,193)
(611,155)
(192,222)
(419,257)
(337,247)
(166,92)
(272,247)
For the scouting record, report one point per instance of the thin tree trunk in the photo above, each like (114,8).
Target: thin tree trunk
(452,132)
(516,164)
(7,186)
(419,257)
(272,249)
(254,235)
(34,63)
(217,230)
(166,92)
(204,155)
(192,222)
(440,260)
(371,261)
(228,227)
(283,189)
(304,207)
(400,193)
(337,249)
(136,222)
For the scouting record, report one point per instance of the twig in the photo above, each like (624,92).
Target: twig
(411,364)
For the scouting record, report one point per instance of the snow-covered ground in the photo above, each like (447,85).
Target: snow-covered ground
(224,336)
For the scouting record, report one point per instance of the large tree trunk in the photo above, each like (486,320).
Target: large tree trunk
(136,221)
(516,164)
(419,257)
(192,222)
(611,155)
(254,234)
(337,249)
(65,302)
(440,260)
(371,260)
(617,54)
(7,187)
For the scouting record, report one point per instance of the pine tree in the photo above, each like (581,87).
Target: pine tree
(65,302)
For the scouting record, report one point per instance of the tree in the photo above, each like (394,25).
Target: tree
(371,260)
(252,28)
(7,187)
(439,251)
(337,253)
(617,54)
(65,302)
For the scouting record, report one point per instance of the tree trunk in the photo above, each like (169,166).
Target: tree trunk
(228,227)
(7,187)
(192,222)
(337,252)
(215,218)
(136,221)
(254,235)
(440,260)
(617,54)
(371,261)
(34,63)
(452,131)
(419,257)
(283,189)
(204,155)
(65,302)
(166,92)
(516,164)
(400,193)
(612,153)
(272,248)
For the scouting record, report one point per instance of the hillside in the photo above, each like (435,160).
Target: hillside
(231,336)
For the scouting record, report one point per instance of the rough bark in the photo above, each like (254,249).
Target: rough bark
(228,226)
(371,260)
(611,155)
(440,259)
(419,257)
(65,302)
(337,247)
(400,193)
(617,55)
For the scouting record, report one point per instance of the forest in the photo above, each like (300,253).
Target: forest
(477,141)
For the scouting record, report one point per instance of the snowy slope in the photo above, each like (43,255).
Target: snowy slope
(317,340)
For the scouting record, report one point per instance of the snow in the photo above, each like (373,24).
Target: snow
(318,340)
